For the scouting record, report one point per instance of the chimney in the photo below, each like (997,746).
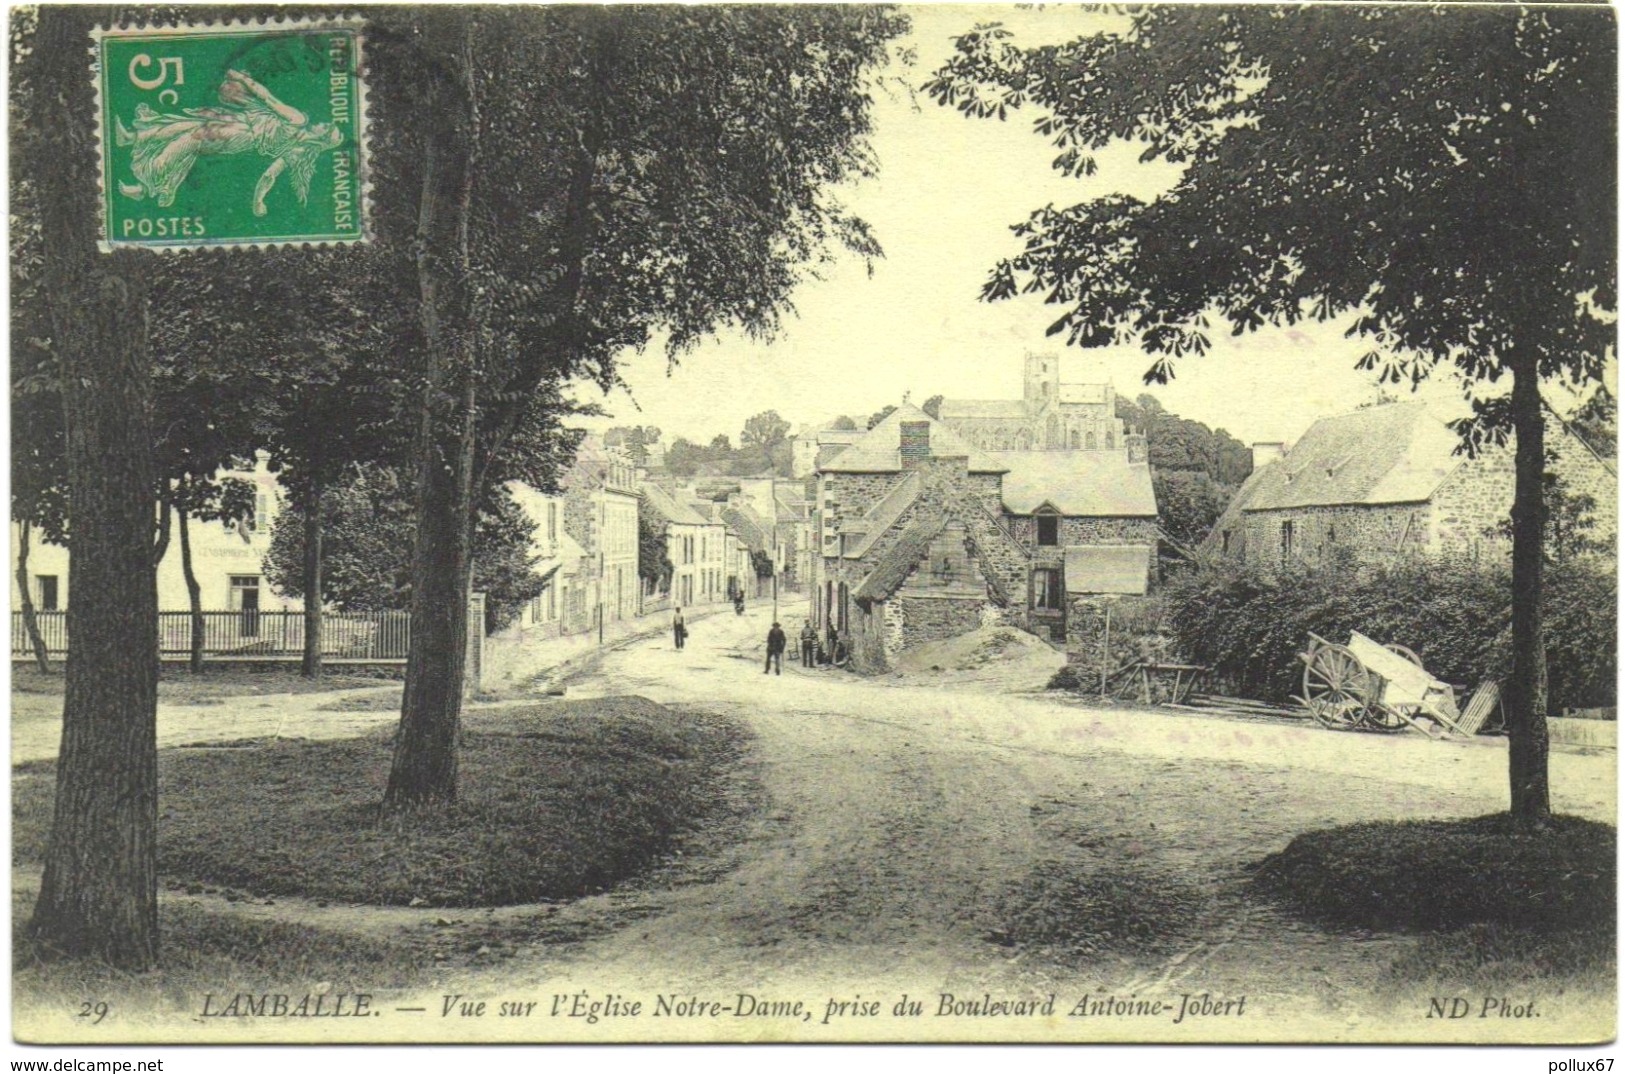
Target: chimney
(1134,445)
(913,443)
(1267,452)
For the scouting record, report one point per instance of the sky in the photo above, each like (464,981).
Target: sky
(948,190)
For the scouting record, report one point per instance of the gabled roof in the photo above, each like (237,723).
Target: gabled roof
(892,569)
(1089,484)
(1396,453)
(981,408)
(663,504)
(1110,568)
(748,526)
(876,451)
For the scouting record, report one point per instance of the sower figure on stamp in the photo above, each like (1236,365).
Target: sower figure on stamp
(809,644)
(249,119)
(775,651)
(678,631)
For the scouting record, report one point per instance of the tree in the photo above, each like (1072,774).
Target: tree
(1176,443)
(366,531)
(933,406)
(683,458)
(763,431)
(879,416)
(635,440)
(1443,178)
(1188,503)
(99,891)
(654,561)
(844,424)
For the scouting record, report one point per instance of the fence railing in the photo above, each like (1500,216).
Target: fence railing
(248,635)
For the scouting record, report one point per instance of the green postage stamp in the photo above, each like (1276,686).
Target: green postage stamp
(232,135)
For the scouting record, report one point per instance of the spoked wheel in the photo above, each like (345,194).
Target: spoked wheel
(1380,717)
(1336,687)
(1403,651)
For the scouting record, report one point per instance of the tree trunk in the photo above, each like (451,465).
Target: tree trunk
(42,655)
(194,595)
(1526,690)
(311,665)
(424,770)
(99,891)
(160,547)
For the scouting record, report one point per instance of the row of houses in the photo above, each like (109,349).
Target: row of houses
(585,547)
(1037,512)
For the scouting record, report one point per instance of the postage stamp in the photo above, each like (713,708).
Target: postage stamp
(231,135)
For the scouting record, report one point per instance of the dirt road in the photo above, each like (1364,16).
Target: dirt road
(911,833)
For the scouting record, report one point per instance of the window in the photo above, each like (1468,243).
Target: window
(1286,540)
(47,592)
(1047,590)
(1049,530)
(1089,442)
(1111,441)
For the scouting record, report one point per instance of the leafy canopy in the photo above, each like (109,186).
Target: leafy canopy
(1443,176)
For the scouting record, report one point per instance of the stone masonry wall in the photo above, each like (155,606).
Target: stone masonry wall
(926,619)
(1370,531)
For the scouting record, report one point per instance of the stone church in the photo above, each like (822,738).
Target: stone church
(1050,415)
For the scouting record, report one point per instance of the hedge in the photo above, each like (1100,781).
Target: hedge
(1249,623)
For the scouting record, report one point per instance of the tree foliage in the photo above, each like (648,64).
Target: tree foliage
(1176,443)
(367,540)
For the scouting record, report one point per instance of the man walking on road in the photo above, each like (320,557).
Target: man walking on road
(678,630)
(775,651)
(809,644)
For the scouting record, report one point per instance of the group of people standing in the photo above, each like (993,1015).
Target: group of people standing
(812,654)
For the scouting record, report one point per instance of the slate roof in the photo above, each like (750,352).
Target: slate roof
(876,451)
(1396,453)
(748,526)
(1089,484)
(982,408)
(1107,568)
(664,505)
(892,569)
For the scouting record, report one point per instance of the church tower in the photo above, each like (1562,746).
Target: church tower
(1042,384)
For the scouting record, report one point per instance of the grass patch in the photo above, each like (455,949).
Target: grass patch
(1074,910)
(558,801)
(1441,875)
(205,951)
(178,686)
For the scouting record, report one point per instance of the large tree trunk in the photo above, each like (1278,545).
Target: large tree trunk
(424,770)
(311,664)
(42,655)
(99,891)
(194,596)
(1526,691)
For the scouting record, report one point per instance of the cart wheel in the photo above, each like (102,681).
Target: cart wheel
(1336,687)
(1406,653)
(1380,717)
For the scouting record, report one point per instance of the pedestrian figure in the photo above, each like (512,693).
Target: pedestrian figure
(829,644)
(678,631)
(775,651)
(809,644)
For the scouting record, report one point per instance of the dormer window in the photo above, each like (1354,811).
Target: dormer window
(1049,530)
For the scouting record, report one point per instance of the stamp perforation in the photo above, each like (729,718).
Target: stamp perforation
(161,29)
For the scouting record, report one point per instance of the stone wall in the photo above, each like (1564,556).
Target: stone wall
(934,618)
(1473,508)
(1374,531)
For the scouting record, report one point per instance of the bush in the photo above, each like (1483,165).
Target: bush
(1066,678)
(1449,874)
(1249,623)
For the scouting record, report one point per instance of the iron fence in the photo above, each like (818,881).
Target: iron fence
(248,635)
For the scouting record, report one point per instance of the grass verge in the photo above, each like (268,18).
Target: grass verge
(218,682)
(557,801)
(1445,874)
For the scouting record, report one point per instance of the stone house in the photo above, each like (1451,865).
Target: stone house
(1387,481)
(919,540)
